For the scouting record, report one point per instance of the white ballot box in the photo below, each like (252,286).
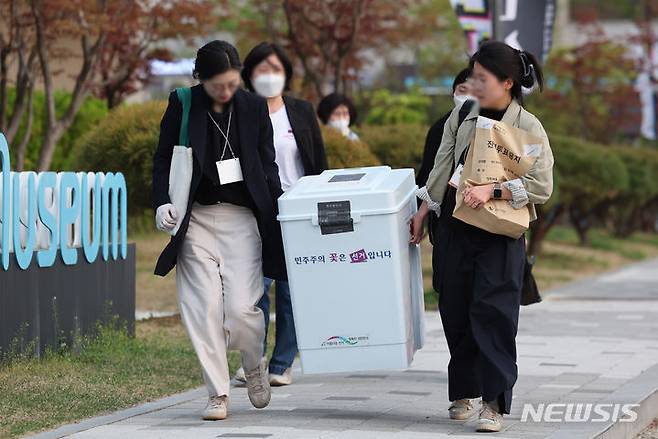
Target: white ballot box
(355,280)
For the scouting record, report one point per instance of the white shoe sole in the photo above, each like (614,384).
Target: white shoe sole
(488,428)
(278,381)
(462,416)
(214,417)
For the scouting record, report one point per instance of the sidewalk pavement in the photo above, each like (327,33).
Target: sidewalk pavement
(595,341)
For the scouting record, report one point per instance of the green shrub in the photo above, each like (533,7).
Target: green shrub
(589,173)
(124,142)
(345,153)
(591,176)
(632,204)
(90,114)
(388,108)
(399,146)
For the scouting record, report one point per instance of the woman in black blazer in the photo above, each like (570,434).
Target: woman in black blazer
(299,152)
(229,235)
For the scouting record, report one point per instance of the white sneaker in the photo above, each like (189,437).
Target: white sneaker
(217,408)
(461,409)
(239,374)
(258,386)
(490,420)
(285,379)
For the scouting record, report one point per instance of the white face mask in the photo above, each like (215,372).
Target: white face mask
(269,85)
(460,99)
(342,125)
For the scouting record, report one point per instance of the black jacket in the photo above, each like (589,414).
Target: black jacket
(261,174)
(307,134)
(432,142)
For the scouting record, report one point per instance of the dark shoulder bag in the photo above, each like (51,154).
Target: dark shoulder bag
(529,290)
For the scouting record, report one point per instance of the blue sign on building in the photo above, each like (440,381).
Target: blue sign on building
(80,217)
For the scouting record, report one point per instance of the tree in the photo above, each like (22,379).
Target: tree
(124,60)
(111,42)
(17,48)
(591,90)
(54,21)
(331,40)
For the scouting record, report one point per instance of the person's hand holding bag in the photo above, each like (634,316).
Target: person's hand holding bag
(476,196)
(166,217)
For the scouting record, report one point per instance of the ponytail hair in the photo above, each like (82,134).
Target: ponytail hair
(505,62)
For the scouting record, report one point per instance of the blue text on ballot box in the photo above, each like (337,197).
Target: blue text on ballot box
(355,280)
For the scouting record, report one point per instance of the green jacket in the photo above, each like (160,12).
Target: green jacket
(538,182)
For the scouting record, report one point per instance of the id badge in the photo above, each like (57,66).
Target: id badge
(454,180)
(229,171)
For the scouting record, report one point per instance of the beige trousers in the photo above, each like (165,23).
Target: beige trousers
(219,279)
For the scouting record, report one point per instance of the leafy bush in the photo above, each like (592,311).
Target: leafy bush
(386,108)
(124,142)
(345,153)
(591,176)
(399,146)
(635,207)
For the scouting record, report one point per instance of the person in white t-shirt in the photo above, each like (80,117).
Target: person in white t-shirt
(299,152)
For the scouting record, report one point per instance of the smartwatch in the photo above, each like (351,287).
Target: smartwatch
(497,191)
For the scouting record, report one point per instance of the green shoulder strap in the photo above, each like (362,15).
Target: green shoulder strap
(185,98)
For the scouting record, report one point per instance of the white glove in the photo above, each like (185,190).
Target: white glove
(166,217)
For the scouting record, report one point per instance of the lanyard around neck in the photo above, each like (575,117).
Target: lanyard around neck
(225,135)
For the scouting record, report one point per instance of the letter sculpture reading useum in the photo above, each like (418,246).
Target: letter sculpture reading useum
(82,217)
(46,211)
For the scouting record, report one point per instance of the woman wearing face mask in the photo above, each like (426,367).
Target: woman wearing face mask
(479,274)
(229,235)
(337,111)
(299,152)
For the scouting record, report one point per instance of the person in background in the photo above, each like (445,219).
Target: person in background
(461,92)
(480,274)
(229,236)
(337,111)
(299,152)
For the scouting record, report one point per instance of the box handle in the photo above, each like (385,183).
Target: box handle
(335,217)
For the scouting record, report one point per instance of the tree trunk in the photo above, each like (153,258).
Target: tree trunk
(4,54)
(648,217)
(537,235)
(581,223)
(56,127)
(47,150)
(540,228)
(22,148)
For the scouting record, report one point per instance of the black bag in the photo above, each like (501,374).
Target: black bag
(529,291)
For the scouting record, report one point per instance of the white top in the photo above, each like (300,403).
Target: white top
(288,158)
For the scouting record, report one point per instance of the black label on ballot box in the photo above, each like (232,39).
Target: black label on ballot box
(341,178)
(335,217)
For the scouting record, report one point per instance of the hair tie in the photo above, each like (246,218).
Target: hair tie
(526,66)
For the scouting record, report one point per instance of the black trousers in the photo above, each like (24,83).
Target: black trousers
(478,276)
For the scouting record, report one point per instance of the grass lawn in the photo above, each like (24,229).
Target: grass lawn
(563,260)
(111,372)
(154,293)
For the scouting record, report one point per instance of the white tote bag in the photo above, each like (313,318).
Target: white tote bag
(180,172)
